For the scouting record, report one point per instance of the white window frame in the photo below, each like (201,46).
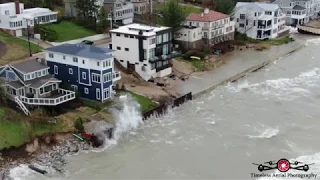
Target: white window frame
(64,57)
(93,78)
(107,77)
(55,69)
(70,71)
(86,90)
(84,75)
(98,94)
(51,55)
(104,93)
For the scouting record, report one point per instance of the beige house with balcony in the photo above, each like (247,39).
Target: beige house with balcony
(29,83)
(204,30)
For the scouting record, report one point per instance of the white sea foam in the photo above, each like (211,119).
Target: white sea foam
(211,122)
(283,88)
(127,118)
(267,133)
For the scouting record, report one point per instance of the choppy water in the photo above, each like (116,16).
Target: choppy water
(271,114)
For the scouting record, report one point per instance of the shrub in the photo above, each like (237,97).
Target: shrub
(78,124)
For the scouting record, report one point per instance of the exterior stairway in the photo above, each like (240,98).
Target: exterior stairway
(21,105)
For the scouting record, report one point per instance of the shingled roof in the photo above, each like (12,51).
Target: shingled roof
(207,17)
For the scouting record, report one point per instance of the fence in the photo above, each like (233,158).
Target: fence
(163,108)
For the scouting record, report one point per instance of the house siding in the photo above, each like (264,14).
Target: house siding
(76,79)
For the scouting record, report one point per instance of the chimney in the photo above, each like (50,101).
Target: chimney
(206,11)
(17,4)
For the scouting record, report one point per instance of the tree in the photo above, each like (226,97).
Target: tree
(102,20)
(87,11)
(224,6)
(3,95)
(174,15)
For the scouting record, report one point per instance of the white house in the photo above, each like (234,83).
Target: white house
(142,6)
(299,11)
(204,30)
(144,49)
(14,19)
(260,20)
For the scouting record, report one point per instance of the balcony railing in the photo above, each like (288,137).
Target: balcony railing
(63,96)
(264,27)
(116,76)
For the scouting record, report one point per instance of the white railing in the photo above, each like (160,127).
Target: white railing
(66,95)
(264,27)
(116,76)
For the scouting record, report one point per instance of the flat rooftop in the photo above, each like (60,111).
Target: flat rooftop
(135,28)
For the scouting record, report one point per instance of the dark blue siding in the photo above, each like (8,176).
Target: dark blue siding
(107,84)
(64,76)
(86,80)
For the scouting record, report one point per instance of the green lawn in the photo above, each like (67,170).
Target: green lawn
(18,131)
(69,31)
(199,65)
(145,103)
(16,48)
(190,9)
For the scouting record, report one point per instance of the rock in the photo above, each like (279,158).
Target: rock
(74,149)
(206,58)
(86,147)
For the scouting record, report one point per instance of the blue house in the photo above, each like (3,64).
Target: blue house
(88,69)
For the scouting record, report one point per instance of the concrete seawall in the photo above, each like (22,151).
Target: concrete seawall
(244,71)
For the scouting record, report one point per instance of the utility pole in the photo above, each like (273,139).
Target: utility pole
(28,33)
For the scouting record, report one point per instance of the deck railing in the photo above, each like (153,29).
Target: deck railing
(116,76)
(66,95)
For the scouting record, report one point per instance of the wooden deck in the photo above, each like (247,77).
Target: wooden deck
(312,27)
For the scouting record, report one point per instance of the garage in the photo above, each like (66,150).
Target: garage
(19,32)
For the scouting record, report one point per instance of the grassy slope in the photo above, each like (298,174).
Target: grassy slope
(19,130)
(68,31)
(145,103)
(16,48)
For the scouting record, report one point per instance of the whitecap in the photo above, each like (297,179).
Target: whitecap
(211,122)
(268,133)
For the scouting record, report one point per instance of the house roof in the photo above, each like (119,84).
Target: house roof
(209,17)
(297,7)
(82,50)
(38,82)
(135,28)
(15,84)
(29,66)
(264,6)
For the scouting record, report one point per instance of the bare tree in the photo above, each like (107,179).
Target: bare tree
(3,94)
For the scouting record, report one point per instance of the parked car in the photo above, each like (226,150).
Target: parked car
(87,42)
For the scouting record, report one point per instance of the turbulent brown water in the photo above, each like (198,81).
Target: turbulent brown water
(270,114)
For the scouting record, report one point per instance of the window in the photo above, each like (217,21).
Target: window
(74,88)
(241,25)
(83,61)
(38,73)
(96,78)
(205,34)
(86,90)
(107,77)
(242,16)
(237,19)
(275,21)
(153,66)
(152,41)
(33,75)
(268,13)
(51,55)
(118,34)
(98,63)
(144,54)
(64,57)
(126,35)
(106,93)
(131,36)
(98,93)
(75,59)
(55,69)
(159,39)
(254,22)
(44,72)
(118,48)
(247,22)
(84,75)
(165,49)
(7,12)
(255,14)
(104,64)
(126,49)
(70,71)
(165,37)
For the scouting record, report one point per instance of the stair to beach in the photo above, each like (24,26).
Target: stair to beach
(22,106)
